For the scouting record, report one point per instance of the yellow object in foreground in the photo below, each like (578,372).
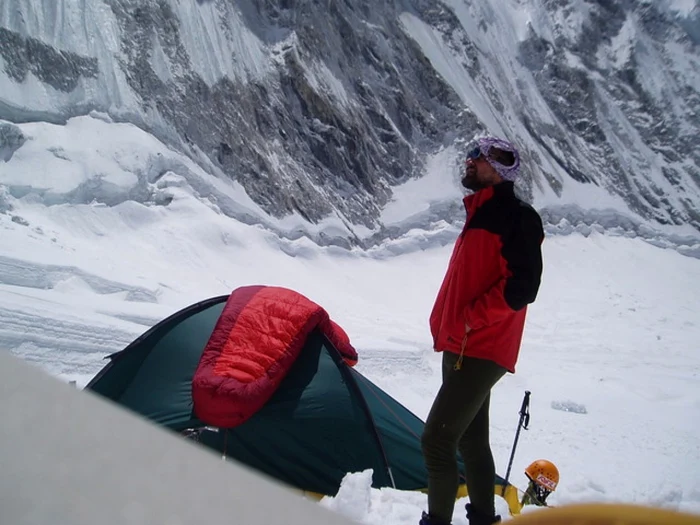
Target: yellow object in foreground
(508,492)
(606,514)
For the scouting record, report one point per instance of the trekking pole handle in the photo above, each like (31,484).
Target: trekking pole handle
(525,411)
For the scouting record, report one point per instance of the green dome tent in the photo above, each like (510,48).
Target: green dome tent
(325,419)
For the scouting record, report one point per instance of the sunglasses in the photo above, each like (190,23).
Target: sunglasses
(474,153)
(477,152)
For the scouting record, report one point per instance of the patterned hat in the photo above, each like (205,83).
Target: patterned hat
(485,144)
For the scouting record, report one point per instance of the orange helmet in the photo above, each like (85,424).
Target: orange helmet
(543,473)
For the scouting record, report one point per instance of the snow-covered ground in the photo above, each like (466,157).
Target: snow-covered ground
(104,231)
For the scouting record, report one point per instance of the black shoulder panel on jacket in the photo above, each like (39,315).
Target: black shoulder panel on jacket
(495,215)
(519,228)
(522,250)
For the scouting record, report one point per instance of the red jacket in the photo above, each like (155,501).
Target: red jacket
(494,273)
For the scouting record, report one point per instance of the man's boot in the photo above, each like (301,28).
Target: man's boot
(478,518)
(427,519)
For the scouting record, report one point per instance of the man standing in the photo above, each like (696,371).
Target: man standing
(477,322)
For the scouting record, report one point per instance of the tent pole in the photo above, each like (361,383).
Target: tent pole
(347,372)
(391,475)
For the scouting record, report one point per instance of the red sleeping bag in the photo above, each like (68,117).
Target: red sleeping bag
(257,338)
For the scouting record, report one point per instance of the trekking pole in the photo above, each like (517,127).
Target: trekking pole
(522,423)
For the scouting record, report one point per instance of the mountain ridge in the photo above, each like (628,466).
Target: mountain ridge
(322,110)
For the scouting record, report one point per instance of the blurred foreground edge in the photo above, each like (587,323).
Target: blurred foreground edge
(606,514)
(68,456)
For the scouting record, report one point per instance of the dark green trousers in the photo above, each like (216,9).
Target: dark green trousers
(459,420)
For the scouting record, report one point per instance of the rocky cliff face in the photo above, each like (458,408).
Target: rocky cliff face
(320,108)
(624,90)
